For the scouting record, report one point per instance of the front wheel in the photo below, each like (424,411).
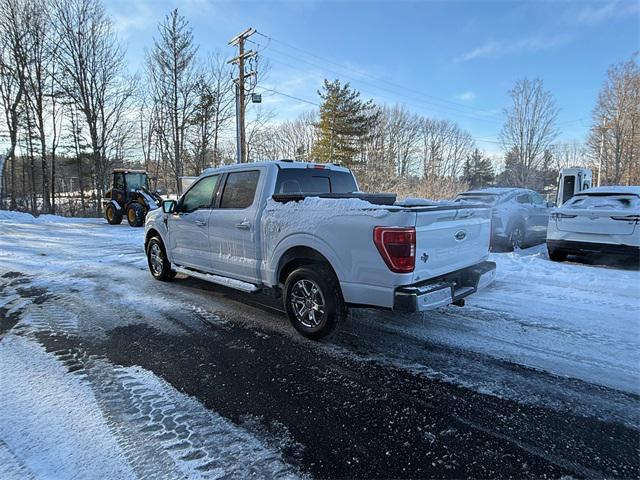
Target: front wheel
(159,264)
(135,215)
(313,301)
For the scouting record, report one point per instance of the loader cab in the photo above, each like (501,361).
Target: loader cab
(126,183)
(572,181)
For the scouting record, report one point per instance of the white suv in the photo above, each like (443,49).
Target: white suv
(599,220)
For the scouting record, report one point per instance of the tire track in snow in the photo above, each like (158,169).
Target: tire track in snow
(163,433)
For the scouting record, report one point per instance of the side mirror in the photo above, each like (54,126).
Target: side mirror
(169,206)
(551,204)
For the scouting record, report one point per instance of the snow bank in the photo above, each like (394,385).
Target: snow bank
(23,217)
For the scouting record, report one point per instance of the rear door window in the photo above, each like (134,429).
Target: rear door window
(240,189)
(311,180)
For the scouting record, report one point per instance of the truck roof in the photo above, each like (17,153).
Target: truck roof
(284,164)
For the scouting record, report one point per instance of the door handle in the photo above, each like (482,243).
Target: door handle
(200,223)
(243,225)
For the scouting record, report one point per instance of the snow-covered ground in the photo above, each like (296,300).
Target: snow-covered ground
(571,320)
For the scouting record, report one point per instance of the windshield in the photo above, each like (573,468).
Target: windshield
(137,180)
(477,198)
(604,202)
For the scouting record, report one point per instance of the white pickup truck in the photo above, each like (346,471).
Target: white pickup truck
(304,232)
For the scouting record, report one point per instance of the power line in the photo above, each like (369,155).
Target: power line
(288,96)
(414,101)
(482,114)
(382,80)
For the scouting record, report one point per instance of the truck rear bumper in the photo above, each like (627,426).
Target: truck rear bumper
(442,291)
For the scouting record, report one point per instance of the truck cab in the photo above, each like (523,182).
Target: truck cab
(572,181)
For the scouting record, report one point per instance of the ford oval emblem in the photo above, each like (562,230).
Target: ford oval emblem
(460,235)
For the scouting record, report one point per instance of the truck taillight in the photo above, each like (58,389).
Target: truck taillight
(397,246)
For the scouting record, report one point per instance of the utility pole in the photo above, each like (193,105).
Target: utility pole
(240,90)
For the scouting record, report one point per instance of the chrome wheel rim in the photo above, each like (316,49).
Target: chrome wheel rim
(308,303)
(155,259)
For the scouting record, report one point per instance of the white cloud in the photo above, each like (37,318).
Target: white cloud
(599,13)
(493,48)
(466,96)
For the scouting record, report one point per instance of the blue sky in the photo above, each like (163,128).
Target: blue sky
(454,60)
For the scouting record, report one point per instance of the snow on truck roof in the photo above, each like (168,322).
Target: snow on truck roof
(612,190)
(284,164)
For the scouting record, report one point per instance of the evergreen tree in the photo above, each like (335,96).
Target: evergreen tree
(478,170)
(345,121)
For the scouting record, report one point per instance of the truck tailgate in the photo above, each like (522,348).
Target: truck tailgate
(448,239)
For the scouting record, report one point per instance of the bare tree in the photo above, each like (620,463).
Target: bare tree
(172,76)
(92,74)
(12,85)
(445,146)
(615,133)
(529,128)
(212,112)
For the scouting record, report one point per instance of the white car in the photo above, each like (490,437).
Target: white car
(602,220)
(304,232)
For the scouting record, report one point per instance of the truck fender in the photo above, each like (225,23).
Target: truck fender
(116,204)
(302,240)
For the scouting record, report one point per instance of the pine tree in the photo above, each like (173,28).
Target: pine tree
(478,170)
(345,121)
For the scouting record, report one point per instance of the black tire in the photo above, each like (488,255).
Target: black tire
(159,264)
(557,255)
(135,215)
(300,297)
(112,214)
(516,237)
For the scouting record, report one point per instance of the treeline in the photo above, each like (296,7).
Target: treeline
(73,110)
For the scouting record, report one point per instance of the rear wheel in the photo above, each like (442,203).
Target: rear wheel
(159,264)
(313,301)
(112,214)
(556,255)
(135,215)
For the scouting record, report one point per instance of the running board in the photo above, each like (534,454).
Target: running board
(219,280)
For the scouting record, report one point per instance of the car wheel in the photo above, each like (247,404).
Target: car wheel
(135,215)
(556,255)
(313,301)
(112,214)
(515,239)
(159,264)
